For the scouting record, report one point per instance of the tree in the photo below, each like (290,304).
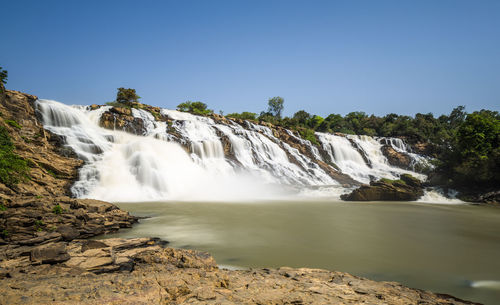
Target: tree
(245,115)
(276,106)
(302,117)
(127,96)
(3,78)
(198,108)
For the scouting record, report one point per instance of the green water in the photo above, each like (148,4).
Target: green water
(442,248)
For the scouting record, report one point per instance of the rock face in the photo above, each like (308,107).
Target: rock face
(492,197)
(121,118)
(396,158)
(406,189)
(143,271)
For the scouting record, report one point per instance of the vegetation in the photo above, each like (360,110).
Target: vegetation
(198,108)
(39,224)
(13,124)
(125,97)
(275,106)
(243,116)
(473,158)
(3,76)
(57,209)
(13,169)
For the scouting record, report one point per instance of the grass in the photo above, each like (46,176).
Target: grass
(13,124)
(4,233)
(392,182)
(2,207)
(13,169)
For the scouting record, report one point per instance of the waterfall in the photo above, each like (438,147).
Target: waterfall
(189,157)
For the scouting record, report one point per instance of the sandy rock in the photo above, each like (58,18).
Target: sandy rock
(49,254)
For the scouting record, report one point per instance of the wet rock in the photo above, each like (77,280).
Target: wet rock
(396,158)
(407,188)
(121,119)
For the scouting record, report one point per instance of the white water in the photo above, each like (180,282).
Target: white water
(436,196)
(188,160)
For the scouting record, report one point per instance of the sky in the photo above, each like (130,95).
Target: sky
(324,57)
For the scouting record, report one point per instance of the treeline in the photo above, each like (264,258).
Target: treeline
(420,128)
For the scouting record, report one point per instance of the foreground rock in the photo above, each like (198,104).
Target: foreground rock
(143,271)
(407,188)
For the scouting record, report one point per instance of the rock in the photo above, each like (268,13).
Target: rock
(396,158)
(175,276)
(41,238)
(407,188)
(49,254)
(121,119)
(121,110)
(68,232)
(491,197)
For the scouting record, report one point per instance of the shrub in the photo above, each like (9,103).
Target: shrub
(57,209)
(308,134)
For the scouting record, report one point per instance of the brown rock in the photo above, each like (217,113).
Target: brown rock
(396,158)
(49,254)
(68,232)
(406,189)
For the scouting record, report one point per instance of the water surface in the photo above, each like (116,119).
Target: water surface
(452,249)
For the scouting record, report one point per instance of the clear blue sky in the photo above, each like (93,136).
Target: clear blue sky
(321,56)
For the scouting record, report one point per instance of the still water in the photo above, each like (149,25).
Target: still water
(453,249)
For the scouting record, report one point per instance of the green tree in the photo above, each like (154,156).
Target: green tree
(275,106)
(198,108)
(3,76)
(127,96)
(243,116)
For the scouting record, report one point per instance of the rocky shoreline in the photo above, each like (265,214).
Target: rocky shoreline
(46,255)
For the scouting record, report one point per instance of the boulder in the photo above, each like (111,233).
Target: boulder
(49,254)
(396,158)
(407,188)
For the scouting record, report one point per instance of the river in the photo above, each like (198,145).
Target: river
(445,248)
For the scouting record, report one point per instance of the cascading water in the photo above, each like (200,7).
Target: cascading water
(400,146)
(196,158)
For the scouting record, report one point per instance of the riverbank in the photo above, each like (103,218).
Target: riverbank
(44,257)
(143,271)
